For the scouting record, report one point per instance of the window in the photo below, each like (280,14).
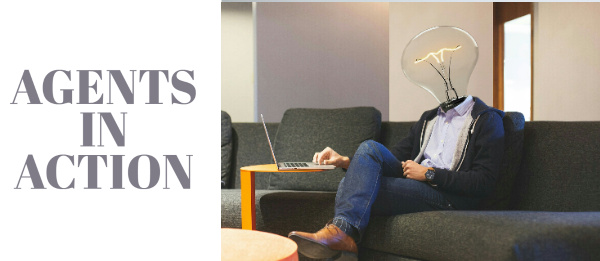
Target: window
(513,56)
(517,65)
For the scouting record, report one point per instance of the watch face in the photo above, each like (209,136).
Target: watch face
(429,175)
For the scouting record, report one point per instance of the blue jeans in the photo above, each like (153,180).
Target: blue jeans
(374,185)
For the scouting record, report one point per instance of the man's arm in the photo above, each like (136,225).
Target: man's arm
(480,179)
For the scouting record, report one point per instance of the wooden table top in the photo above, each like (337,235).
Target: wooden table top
(273,168)
(252,245)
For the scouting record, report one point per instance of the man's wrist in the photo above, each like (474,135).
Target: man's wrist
(346,162)
(430,175)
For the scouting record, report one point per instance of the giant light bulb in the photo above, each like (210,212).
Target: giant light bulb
(441,60)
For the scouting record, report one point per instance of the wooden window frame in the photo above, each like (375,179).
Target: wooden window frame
(504,12)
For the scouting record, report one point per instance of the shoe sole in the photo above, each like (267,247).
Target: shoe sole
(313,249)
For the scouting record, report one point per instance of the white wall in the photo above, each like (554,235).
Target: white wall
(237,61)
(321,55)
(407,100)
(566,50)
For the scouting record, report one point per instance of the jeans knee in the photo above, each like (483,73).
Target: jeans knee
(368,147)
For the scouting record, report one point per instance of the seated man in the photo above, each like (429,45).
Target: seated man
(449,161)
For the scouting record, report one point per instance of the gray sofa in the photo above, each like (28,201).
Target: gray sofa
(544,206)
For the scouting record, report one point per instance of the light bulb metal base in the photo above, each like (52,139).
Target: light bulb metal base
(449,104)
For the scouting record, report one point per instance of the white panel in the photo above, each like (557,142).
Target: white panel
(110,224)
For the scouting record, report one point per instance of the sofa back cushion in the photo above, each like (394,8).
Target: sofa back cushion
(393,132)
(251,147)
(226,149)
(499,198)
(303,132)
(559,171)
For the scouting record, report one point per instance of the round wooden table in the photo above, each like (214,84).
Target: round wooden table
(247,190)
(251,245)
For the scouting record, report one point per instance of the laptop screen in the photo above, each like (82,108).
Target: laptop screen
(267,132)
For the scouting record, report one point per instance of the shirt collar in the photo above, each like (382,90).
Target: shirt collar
(462,108)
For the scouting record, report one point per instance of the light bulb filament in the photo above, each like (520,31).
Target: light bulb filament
(440,52)
(447,79)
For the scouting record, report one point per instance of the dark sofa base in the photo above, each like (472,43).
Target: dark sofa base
(280,211)
(488,235)
(367,254)
(438,235)
(303,211)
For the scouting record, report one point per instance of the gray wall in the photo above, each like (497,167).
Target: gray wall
(237,61)
(407,100)
(321,55)
(566,83)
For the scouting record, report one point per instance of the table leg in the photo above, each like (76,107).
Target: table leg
(248,204)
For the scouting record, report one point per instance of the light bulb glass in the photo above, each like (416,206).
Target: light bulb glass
(441,60)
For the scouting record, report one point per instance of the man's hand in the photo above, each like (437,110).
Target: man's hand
(329,156)
(413,170)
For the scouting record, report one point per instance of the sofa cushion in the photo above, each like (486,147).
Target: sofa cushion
(226,150)
(499,198)
(251,147)
(280,212)
(487,235)
(303,132)
(393,132)
(559,170)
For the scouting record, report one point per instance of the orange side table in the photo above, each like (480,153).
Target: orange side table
(247,184)
(248,245)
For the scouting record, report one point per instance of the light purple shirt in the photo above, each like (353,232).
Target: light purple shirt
(442,143)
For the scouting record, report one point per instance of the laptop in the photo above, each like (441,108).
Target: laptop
(293,165)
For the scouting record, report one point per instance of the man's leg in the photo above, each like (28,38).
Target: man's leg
(354,199)
(359,188)
(374,184)
(403,196)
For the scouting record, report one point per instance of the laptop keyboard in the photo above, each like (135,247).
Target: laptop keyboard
(295,164)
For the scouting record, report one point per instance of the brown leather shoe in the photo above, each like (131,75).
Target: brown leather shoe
(326,243)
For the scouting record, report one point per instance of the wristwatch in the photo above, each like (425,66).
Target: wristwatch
(429,175)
